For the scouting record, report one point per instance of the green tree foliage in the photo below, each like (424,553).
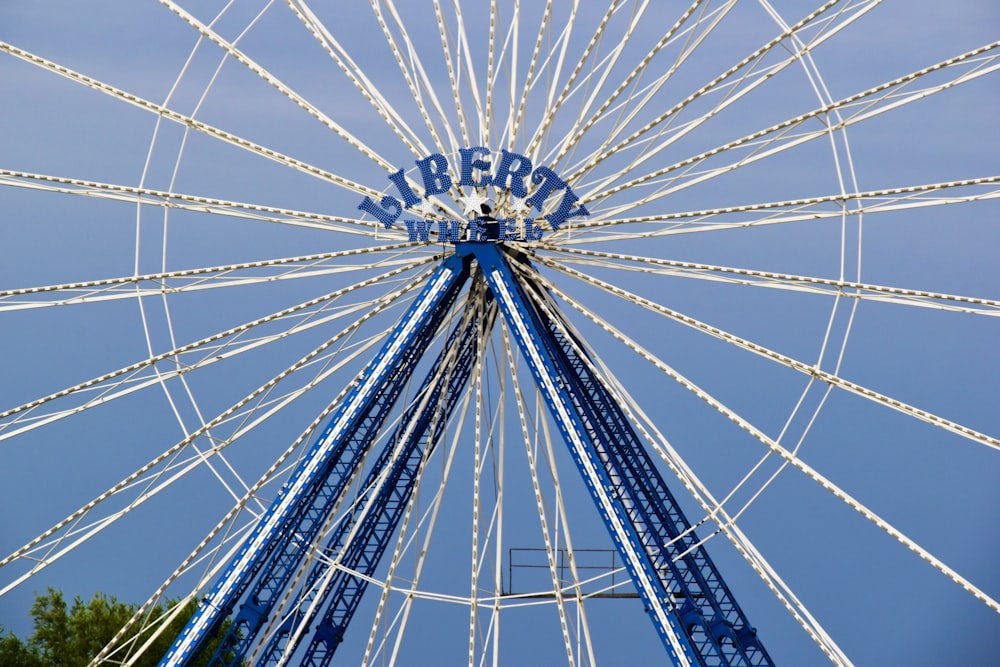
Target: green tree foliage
(71,635)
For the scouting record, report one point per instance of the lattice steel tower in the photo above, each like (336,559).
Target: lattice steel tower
(693,611)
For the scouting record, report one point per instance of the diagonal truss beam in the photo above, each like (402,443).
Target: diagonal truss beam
(276,532)
(692,609)
(360,541)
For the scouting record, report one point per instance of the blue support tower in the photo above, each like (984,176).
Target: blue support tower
(281,537)
(690,605)
(369,532)
(696,616)
(716,626)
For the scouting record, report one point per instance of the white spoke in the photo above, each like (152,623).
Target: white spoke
(452,75)
(488,117)
(128,372)
(812,371)
(428,523)
(147,476)
(169,453)
(176,282)
(783,281)
(415,75)
(257,69)
(515,120)
(188,121)
(793,460)
(551,553)
(554,105)
(714,510)
(365,86)
(800,210)
(362,506)
(477,465)
(782,139)
(175,200)
(580,129)
(470,70)
(712,85)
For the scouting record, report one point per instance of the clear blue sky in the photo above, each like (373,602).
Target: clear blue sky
(881,603)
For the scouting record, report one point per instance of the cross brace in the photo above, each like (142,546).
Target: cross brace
(690,605)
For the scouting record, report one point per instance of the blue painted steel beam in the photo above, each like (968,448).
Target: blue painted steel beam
(690,605)
(420,430)
(529,334)
(291,546)
(276,527)
(717,627)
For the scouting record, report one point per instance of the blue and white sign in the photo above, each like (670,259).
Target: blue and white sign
(475,171)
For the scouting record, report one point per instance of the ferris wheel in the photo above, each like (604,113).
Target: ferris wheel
(505,333)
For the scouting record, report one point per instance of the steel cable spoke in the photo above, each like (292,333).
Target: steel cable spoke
(713,508)
(801,210)
(801,367)
(761,147)
(188,121)
(798,463)
(204,278)
(783,281)
(186,202)
(128,372)
(226,414)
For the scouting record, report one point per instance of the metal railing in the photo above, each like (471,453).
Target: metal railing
(600,572)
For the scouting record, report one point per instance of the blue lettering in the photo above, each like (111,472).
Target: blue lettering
(417,229)
(531,233)
(474,171)
(469,163)
(449,231)
(477,230)
(381,214)
(516,176)
(508,229)
(564,211)
(434,169)
(547,182)
(409,196)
